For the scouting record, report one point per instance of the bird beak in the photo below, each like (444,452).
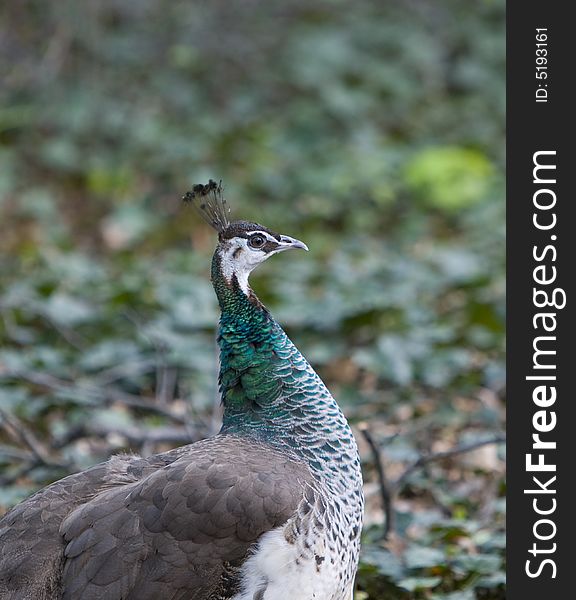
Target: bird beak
(289,243)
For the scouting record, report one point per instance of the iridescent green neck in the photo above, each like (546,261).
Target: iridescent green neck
(247,336)
(271,392)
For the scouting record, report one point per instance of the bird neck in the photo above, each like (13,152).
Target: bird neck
(247,337)
(269,390)
(232,290)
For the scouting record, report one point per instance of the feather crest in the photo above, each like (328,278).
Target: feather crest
(209,201)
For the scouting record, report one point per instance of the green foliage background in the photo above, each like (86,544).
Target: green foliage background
(374,131)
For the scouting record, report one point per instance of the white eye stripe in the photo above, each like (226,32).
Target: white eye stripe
(264,234)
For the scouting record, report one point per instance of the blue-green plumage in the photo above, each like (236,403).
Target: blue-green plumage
(269,390)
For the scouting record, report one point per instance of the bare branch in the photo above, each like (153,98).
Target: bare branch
(389,490)
(124,370)
(460,449)
(95,394)
(23,470)
(385,492)
(134,435)
(38,455)
(21,434)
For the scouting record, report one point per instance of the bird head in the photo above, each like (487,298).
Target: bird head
(242,245)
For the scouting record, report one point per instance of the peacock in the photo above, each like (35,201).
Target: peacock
(270,508)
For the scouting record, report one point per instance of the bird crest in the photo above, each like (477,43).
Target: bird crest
(209,201)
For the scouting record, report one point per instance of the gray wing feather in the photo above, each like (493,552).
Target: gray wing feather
(31,548)
(159,528)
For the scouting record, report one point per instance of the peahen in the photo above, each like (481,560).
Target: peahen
(270,508)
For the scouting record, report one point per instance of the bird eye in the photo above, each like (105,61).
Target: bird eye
(257,241)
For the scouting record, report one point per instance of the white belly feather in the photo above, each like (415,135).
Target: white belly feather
(279,571)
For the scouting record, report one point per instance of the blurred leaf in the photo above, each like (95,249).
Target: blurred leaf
(449,178)
(417,557)
(462,595)
(386,563)
(413,584)
(66,309)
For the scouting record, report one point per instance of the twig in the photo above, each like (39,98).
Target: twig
(389,490)
(385,493)
(112,395)
(38,455)
(166,383)
(13,453)
(23,470)
(112,374)
(69,335)
(95,393)
(460,449)
(20,433)
(135,436)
